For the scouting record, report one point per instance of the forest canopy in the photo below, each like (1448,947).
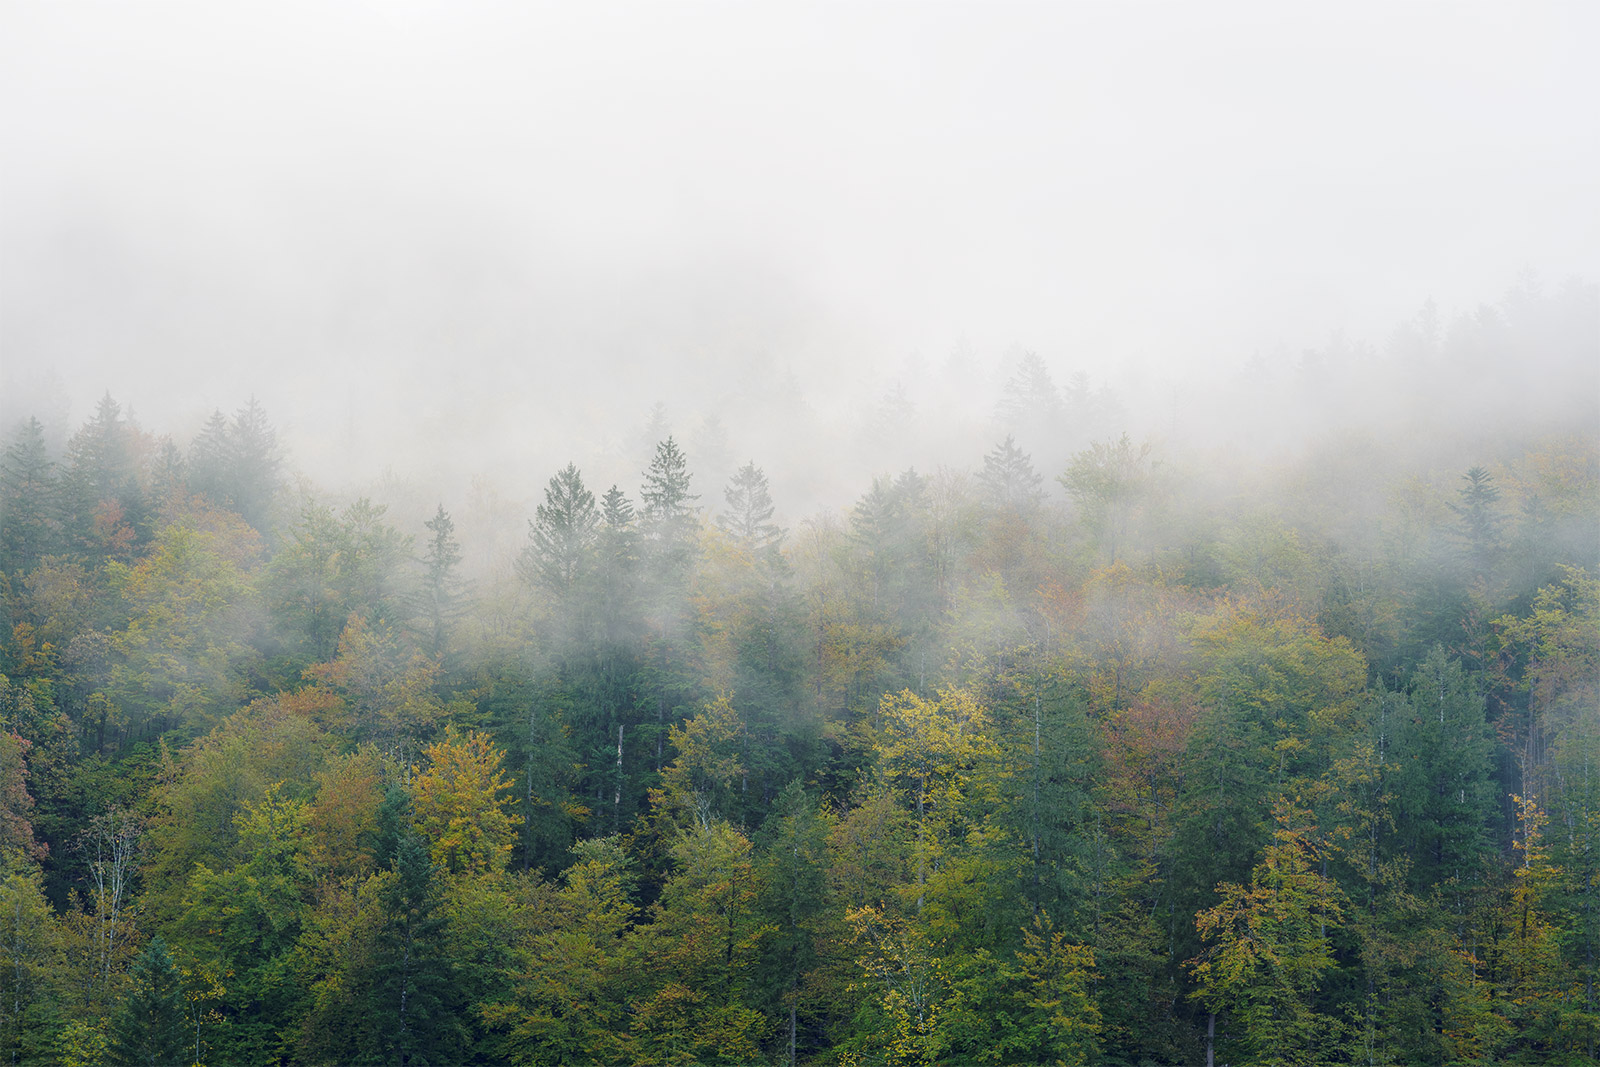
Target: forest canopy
(1098,747)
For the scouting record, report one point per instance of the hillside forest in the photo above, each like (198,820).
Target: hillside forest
(1144,754)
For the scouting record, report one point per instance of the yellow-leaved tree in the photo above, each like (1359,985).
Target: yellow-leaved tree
(459,807)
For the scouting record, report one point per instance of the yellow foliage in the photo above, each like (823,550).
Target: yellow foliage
(458,804)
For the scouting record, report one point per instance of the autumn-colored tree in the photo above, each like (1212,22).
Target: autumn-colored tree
(388,685)
(244,922)
(1059,1021)
(695,785)
(1106,481)
(930,750)
(1270,948)
(343,821)
(33,998)
(180,660)
(459,808)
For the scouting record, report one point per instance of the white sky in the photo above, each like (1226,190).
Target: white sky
(375,214)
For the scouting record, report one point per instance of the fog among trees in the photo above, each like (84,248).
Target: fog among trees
(799,537)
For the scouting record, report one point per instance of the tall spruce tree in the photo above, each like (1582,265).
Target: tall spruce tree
(441,588)
(669,515)
(256,459)
(561,534)
(28,522)
(150,1028)
(1009,480)
(749,515)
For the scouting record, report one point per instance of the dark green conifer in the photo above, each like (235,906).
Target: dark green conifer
(150,1027)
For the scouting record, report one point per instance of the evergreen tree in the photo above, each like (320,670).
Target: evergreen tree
(104,502)
(256,460)
(561,534)
(669,514)
(1009,480)
(410,992)
(1030,403)
(28,523)
(749,515)
(169,472)
(1440,753)
(1479,523)
(211,461)
(441,589)
(150,1027)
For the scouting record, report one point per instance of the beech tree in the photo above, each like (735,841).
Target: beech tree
(459,809)
(1270,948)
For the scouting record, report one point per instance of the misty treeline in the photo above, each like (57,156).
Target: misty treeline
(1131,758)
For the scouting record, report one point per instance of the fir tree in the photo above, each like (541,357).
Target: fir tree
(668,518)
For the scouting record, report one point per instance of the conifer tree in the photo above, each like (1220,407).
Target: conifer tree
(1009,480)
(749,515)
(150,1028)
(211,460)
(1440,754)
(668,516)
(562,533)
(28,523)
(409,988)
(1479,522)
(103,500)
(256,459)
(441,590)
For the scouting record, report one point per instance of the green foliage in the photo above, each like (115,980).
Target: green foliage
(919,783)
(1270,948)
(149,1028)
(562,534)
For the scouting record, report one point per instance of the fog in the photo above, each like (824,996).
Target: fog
(447,242)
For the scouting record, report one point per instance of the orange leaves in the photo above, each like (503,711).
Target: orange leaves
(1144,754)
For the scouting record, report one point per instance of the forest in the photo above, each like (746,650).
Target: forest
(1133,754)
